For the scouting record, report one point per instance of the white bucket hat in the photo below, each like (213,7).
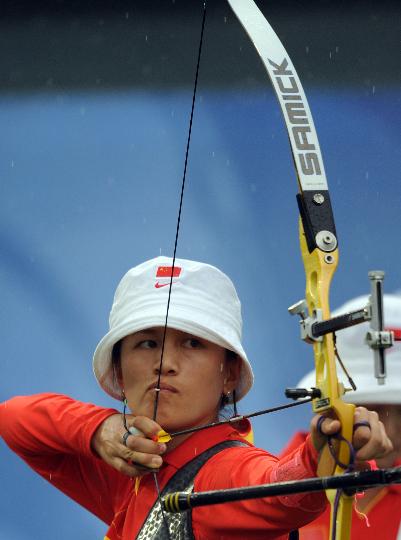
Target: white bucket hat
(203,302)
(358,357)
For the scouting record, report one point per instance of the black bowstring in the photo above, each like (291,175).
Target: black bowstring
(180,210)
(343,367)
(347,468)
(157,389)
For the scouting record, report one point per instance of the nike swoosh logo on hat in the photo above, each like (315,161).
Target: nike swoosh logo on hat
(159,285)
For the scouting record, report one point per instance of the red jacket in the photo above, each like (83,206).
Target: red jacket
(383,513)
(52,433)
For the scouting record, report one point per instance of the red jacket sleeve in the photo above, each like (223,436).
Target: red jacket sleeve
(296,440)
(52,434)
(258,518)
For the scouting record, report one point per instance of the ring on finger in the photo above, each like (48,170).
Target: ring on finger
(125,437)
(131,431)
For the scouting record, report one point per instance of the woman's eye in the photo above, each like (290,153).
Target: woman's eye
(147,344)
(193,343)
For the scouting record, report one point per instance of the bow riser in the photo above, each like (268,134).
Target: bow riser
(319,274)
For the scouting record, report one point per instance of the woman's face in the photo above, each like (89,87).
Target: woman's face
(194,375)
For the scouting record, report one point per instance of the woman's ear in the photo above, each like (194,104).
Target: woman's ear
(232,372)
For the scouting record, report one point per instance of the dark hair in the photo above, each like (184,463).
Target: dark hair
(116,363)
(228,405)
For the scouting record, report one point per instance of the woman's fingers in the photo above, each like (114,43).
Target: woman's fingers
(148,427)
(142,459)
(369,437)
(129,468)
(371,442)
(143,452)
(321,428)
(135,454)
(140,444)
(140,448)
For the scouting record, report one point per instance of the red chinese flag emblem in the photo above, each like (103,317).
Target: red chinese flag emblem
(168,272)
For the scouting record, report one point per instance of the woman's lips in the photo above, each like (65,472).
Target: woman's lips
(163,388)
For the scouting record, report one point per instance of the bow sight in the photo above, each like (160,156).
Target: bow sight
(313,328)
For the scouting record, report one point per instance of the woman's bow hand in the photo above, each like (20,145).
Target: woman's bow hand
(370,440)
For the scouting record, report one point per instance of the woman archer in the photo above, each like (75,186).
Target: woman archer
(104,460)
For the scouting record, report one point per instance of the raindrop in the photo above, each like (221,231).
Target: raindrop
(367,175)
(373,89)
(307,49)
(12,164)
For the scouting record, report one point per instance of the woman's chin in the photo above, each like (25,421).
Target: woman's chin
(169,422)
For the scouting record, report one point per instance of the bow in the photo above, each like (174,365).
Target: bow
(317,239)
(319,247)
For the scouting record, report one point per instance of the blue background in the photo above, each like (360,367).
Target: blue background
(90,187)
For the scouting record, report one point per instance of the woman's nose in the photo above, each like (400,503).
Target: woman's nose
(168,361)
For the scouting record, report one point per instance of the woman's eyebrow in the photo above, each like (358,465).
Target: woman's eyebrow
(146,332)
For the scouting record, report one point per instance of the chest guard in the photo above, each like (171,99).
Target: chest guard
(180,524)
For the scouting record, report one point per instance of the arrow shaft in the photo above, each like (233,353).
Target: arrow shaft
(180,501)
